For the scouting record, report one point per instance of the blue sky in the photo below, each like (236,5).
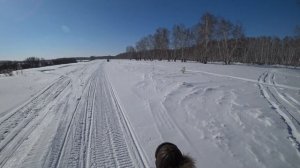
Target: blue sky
(67,28)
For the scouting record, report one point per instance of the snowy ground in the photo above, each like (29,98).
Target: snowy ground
(100,114)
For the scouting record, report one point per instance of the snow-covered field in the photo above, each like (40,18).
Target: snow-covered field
(114,114)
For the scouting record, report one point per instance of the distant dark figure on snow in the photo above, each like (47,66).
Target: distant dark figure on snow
(167,155)
(107,60)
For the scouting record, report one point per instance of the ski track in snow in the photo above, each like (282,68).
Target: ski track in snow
(246,79)
(284,105)
(95,133)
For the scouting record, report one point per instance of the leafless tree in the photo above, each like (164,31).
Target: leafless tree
(238,35)
(224,31)
(32,62)
(141,48)
(161,42)
(181,40)
(206,30)
(130,50)
(297,32)
(149,40)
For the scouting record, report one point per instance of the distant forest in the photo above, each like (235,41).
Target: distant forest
(7,67)
(215,39)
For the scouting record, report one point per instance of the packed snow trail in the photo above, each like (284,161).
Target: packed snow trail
(75,122)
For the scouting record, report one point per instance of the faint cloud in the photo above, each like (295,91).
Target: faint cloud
(65,29)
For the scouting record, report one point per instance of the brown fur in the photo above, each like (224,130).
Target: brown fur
(187,162)
(167,155)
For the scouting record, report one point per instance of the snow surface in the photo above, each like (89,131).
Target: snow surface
(115,114)
(15,90)
(221,115)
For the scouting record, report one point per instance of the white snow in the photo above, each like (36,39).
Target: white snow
(116,113)
(221,115)
(17,89)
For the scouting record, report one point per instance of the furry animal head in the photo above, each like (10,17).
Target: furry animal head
(169,156)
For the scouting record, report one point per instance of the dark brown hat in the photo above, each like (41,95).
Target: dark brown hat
(168,156)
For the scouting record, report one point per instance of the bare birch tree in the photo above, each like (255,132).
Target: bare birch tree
(161,42)
(181,37)
(224,29)
(206,33)
(130,50)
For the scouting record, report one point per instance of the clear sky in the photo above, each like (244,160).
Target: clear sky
(67,28)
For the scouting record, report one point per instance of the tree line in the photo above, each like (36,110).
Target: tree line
(215,39)
(6,67)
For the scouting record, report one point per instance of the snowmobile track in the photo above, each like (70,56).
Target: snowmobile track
(15,127)
(98,134)
(275,99)
(111,141)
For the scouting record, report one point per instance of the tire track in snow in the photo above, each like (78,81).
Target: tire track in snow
(103,153)
(54,155)
(98,134)
(112,142)
(285,97)
(273,99)
(278,97)
(73,149)
(246,79)
(59,144)
(46,130)
(15,128)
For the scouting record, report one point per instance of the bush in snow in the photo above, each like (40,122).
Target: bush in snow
(183,70)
